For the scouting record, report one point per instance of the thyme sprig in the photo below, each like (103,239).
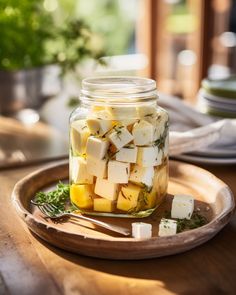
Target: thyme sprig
(118,130)
(149,115)
(130,147)
(196,221)
(59,197)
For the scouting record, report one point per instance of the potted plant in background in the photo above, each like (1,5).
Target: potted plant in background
(35,51)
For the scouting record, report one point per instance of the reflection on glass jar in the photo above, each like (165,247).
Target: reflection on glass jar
(119,148)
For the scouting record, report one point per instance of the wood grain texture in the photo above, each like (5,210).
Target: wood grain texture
(91,241)
(208,269)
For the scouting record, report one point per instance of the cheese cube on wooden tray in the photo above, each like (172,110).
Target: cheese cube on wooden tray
(141,230)
(167,227)
(182,207)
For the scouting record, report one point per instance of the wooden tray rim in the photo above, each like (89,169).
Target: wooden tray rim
(214,226)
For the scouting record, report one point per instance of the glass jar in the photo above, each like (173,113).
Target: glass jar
(118,148)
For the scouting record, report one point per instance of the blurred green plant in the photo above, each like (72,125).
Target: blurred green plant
(114,19)
(30,37)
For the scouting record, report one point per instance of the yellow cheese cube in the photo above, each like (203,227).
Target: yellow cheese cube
(128,197)
(150,199)
(103,205)
(82,195)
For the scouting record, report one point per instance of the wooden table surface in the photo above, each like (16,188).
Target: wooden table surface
(30,266)
(21,143)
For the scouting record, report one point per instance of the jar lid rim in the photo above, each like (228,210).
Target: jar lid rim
(118,86)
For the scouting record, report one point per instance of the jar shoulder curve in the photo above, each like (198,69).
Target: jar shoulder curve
(79,113)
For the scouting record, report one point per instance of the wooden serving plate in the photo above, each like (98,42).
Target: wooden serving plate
(213,197)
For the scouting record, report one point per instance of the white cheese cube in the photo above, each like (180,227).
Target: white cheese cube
(167,227)
(146,112)
(97,167)
(79,172)
(152,120)
(78,135)
(106,189)
(160,123)
(141,230)
(143,133)
(98,125)
(118,172)
(127,122)
(102,115)
(127,154)
(142,175)
(120,136)
(149,156)
(97,147)
(182,206)
(120,113)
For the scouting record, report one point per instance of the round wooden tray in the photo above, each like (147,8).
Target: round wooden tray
(212,196)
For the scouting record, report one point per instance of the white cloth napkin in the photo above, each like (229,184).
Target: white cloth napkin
(191,131)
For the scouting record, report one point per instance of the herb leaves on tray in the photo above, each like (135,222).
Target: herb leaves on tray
(196,221)
(60,197)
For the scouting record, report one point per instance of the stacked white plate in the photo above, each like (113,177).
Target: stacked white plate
(216,105)
(218,97)
(212,155)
